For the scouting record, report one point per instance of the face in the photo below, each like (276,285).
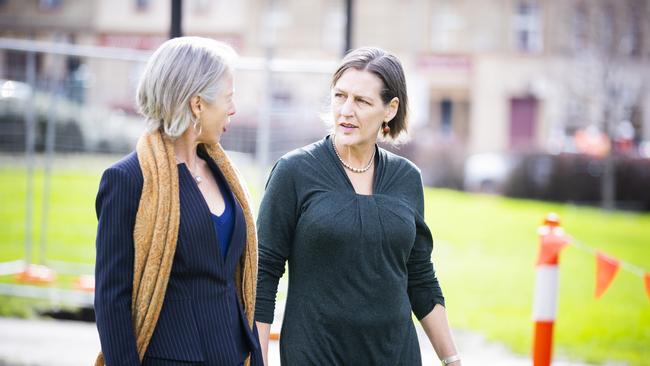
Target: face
(358,109)
(215,116)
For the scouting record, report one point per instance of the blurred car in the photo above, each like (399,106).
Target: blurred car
(14,89)
(488,172)
(78,126)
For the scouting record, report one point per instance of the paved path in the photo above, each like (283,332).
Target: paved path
(69,343)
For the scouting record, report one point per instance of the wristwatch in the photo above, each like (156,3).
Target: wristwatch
(449,360)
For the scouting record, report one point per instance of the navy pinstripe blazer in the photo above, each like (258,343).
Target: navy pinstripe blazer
(201,320)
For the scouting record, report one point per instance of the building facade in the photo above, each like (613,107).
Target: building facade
(484,76)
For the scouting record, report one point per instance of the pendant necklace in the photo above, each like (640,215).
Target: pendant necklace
(197,178)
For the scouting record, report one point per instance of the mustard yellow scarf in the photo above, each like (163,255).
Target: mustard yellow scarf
(156,232)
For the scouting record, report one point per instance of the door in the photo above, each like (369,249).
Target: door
(523,120)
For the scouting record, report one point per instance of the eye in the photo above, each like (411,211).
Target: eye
(338,95)
(363,101)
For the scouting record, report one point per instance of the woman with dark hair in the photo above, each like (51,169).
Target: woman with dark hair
(348,216)
(176,245)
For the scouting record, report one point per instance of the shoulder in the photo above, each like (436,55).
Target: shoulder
(400,167)
(302,158)
(126,170)
(120,185)
(128,164)
(305,154)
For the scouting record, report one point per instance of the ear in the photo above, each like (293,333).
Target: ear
(391,109)
(196,105)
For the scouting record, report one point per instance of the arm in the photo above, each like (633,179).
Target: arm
(116,206)
(426,296)
(264,330)
(424,291)
(276,224)
(437,329)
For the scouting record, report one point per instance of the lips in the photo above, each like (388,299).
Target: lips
(348,125)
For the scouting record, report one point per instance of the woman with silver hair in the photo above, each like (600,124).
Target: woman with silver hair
(176,247)
(348,217)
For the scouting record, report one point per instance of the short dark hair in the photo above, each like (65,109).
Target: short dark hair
(389,70)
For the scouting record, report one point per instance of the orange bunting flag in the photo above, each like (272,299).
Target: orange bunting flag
(647,284)
(606,268)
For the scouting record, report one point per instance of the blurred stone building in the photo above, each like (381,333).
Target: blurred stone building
(483,76)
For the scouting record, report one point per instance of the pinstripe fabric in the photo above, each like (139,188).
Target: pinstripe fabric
(153,361)
(201,321)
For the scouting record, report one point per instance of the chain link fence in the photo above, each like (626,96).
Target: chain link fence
(71,108)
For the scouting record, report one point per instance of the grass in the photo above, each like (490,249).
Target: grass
(485,249)
(71,221)
(70,227)
(485,257)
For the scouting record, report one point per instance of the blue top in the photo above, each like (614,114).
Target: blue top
(224,223)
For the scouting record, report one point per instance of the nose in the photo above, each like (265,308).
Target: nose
(346,108)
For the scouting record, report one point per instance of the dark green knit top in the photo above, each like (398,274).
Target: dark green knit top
(358,264)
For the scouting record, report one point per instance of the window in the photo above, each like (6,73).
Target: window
(606,29)
(15,64)
(142,5)
(633,39)
(201,7)
(49,4)
(334,20)
(446,28)
(527,24)
(446,110)
(580,27)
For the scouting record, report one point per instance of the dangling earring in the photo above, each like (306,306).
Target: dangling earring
(197,122)
(386,128)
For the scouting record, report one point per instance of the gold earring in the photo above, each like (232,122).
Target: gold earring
(197,122)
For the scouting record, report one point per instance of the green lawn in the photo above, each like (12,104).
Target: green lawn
(485,257)
(484,253)
(71,221)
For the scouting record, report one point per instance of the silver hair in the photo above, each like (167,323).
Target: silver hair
(180,69)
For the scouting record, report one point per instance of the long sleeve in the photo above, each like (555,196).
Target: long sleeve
(116,207)
(276,224)
(423,288)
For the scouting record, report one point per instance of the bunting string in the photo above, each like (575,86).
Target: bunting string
(607,267)
(638,271)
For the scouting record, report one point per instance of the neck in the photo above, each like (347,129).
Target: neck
(185,149)
(357,155)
